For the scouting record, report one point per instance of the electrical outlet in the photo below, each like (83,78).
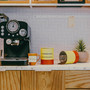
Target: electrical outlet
(71,21)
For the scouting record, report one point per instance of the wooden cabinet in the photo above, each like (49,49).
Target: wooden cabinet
(10,80)
(55,80)
(45,80)
(14,1)
(44,1)
(77,79)
(87,1)
(32,80)
(28,80)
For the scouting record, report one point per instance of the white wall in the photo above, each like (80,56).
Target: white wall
(49,26)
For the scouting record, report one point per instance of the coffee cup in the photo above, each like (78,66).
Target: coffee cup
(33,58)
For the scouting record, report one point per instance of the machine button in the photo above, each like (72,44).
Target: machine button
(2,30)
(17,34)
(8,34)
(2,27)
(2,34)
(12,35)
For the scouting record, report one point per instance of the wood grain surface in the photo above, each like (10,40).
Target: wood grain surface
(77,89)
(10,80)
(42,80)
(28,80)
(77,79)
(14,1)
(44,1)
(87,1)
(53,80)
(45,80)
(58,80)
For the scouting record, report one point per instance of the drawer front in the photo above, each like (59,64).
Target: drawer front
(44,1)
(77,89)
(14,1)
(87,1)
(9,80)
(42,80)
(77,79)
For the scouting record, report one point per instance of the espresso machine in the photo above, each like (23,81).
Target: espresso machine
(16,42)
(3,18)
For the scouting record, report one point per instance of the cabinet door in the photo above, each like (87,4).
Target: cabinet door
(44,1)
(77,80)
(28,80)
(10,80)
(77,89)
(87,1)
(14,1)
(42,80)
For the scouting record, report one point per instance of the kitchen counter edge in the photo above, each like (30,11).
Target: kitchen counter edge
(38,67)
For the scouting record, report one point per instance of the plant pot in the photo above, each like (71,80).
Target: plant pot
(83,57)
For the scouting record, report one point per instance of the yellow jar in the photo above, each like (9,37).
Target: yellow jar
(47,55)
(68,57)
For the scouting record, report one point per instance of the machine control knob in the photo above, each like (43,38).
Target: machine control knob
(8,41)
(22,32)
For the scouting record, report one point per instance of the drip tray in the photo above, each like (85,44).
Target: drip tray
(14,62)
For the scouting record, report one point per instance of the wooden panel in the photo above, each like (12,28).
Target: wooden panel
(10,80)
(87,1)
(14,1)
(77,89)
(44,1)
(43,80)
(53,80)
(58,82)
(77,79)
(28,80)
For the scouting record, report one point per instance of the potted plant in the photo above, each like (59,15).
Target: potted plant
(80,48)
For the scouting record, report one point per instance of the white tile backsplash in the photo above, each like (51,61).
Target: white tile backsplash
(49,26)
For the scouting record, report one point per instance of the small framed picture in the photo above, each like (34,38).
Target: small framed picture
(71,1)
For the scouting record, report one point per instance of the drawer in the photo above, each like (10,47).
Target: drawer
(77,79)
(44,1)
(87,1)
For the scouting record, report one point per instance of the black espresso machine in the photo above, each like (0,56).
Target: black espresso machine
(16,42)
